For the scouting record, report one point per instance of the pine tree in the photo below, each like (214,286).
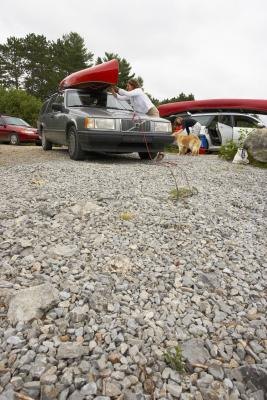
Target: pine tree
(38,65)
(70,54)
(12,63)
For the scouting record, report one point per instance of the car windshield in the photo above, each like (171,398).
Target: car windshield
(83,98)
(113,102)
(78,98)
(15,121)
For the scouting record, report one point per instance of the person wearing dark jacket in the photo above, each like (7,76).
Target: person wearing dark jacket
(187,123)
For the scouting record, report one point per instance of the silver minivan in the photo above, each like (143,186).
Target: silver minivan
(220,127)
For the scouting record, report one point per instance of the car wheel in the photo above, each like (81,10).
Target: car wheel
(75,151)
(147,156)
(14,139)
(46,145)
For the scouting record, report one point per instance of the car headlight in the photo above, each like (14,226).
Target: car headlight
(162,127)
(99,123)
(104,123)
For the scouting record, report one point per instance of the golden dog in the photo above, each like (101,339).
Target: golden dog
(187,142)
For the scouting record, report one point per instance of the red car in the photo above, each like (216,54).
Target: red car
(14,130)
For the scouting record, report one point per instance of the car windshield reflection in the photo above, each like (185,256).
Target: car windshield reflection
(77,98)
(81,98)
(113,102)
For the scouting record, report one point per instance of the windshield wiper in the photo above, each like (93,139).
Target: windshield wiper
(117,108)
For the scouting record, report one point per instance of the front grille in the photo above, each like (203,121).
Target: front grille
(135,125)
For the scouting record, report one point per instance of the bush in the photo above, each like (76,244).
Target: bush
(19,104)
(228,150)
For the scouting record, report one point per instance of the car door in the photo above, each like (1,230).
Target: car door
(49,121)
(225,127)
(243,125)
(4,133)
(59,118)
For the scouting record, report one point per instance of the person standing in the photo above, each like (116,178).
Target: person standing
(140,102)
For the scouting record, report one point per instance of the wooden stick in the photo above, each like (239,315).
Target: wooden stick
(199,366)
(249,350)
(23,396)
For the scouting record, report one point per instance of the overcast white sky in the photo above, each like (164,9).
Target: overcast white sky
(211,48)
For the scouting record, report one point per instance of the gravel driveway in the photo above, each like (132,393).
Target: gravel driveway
(102,273)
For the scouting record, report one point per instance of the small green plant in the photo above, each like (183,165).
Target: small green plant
(182,192)
(228,150)
(174,359)
(243,135)
(171,148)
(126,216)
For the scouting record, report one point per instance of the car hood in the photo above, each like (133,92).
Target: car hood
(98,77)
(110,113)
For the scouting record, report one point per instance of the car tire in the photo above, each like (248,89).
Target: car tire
(14,139)
(46,145)
(74,147)
(147,156)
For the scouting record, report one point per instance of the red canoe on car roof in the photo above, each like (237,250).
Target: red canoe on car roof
(98,77)
(238,105)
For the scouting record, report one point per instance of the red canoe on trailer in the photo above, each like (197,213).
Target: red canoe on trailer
(97,77)
(239,105)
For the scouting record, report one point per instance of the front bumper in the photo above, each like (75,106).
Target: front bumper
(120,142)
(28,138)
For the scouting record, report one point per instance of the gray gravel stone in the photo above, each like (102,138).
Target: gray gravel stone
(31,303)
(135,274)
(89,388)
(71,350)
(194,351)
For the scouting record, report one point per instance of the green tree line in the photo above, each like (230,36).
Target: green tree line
(33,66)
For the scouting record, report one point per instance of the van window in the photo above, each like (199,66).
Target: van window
(243,121)
(204,120)
(225,119)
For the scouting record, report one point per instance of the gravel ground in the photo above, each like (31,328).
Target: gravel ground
(102,273)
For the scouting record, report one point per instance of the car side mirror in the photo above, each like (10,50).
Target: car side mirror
(57,107)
